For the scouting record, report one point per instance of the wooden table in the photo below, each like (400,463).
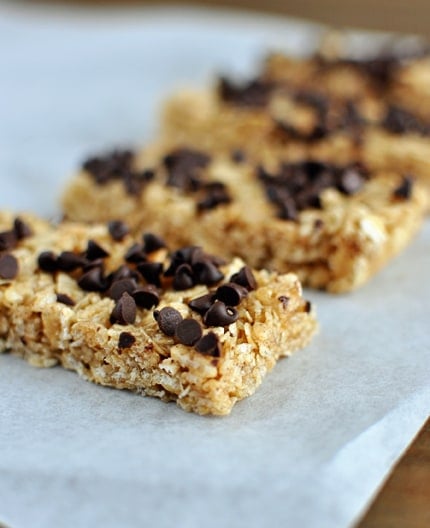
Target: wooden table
(404,501)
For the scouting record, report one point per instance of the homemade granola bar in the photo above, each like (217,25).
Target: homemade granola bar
(338,110)
(333,225)
(124,312)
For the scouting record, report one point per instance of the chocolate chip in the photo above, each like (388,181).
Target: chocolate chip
(209,345)
(112,165)
(168,319)
(214,194)
(151,272)
(65,299)
(8,266)
(122,272)
(22,230)
(308,306)
(134,181)
(284,300)
(135,254)
(120,286)
(126,340)
(182,256)
(47,261)
(231,293)
(238,156)
(124,311)
(188,332)
(152,243)
(183,167)
(146,296)
(8,240)
(93,280)
(202,304)
(207,273)
(244,277)
(404,190)
(298,186)
(220,315)
(183,278)
(94,251)
(118,230)
(69,261)
(255,93)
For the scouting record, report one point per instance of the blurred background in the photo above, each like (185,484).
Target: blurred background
(392,15)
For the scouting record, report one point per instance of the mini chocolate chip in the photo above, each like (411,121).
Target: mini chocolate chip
(120,286)
(22,230)
(351,181)
(92,280)
(183,168)
(238,156)
(146,296)
(122,272)
(69,261)
(135,254)
(124,311)
(152,243)
(183,278)
(118,230)
(284,300)
(244,277)
(126,340)
(188,332)
(8,266)
(65,299)
(214,194)
(47,261)
(181,256)
(8,240)
(168,319)
(94,251)
(202,304)
(318,224)
(151,272)
(231,293)
(220,315)
(255,93)
(207,273)
(308,306)
(209,345)
(404,190)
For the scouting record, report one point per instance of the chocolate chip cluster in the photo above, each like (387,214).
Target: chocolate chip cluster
(217,308)
(184,171)
(118,165)
(184,168)
(298,186)
(123,285)
(139,281)
(9,240)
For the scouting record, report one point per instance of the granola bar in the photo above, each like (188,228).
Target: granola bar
(333,225)
(127,313)
(339,109)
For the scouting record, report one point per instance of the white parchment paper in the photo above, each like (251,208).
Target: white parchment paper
(315,442)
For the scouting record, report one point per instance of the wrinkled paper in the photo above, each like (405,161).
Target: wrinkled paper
(314,444)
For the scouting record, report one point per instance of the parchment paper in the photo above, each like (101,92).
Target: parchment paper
(315,442)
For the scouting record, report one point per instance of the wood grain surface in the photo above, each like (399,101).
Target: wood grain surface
(411,16)
(404,501)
